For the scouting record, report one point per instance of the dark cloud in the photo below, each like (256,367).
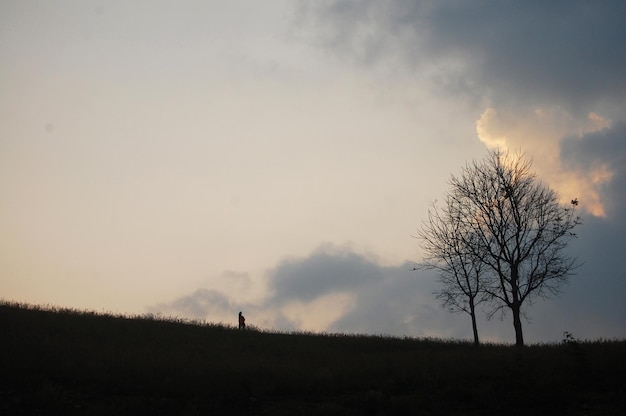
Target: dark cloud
(556,52)
(592,305)
(329,269)
(596,296)
(400,303)
(393,300)
(386,299)
(396,300)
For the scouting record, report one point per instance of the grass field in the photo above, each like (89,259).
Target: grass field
(72,362)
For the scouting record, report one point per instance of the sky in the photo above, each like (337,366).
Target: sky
(200,158)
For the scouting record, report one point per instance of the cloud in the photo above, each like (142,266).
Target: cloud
(329,269)
(400,303)
(601,157)
(543,133)
(592,304)
(585,159)
(562,52)
(335,289)
(545,78)
(542,72)
(202,303)
(366,296)
(332,289)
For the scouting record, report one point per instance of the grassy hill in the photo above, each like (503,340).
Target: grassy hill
(72,362)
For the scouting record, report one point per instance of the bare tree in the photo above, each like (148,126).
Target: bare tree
(515,227)
(443,239)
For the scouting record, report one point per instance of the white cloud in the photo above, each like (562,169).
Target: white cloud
(540,134)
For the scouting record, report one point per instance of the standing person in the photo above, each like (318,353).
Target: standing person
(242,321)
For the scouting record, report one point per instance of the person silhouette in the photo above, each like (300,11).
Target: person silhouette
(242,321)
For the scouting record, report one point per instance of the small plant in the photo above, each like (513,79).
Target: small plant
(568,339)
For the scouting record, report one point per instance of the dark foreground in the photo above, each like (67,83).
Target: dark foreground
(69,362)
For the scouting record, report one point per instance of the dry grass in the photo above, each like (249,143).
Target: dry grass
(84,363)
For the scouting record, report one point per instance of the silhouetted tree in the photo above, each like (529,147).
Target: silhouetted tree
(460,271)
(515,228)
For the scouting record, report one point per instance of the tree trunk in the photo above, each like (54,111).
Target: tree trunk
(474,326)
(517,324)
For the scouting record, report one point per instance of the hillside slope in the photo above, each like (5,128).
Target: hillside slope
(84,363)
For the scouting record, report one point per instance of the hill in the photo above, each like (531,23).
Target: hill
(83,363)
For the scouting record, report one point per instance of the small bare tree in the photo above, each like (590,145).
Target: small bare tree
(515,227)
(443,240)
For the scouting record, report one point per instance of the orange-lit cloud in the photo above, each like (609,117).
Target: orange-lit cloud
(539,133)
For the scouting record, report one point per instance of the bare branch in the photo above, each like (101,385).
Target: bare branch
(500,237)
